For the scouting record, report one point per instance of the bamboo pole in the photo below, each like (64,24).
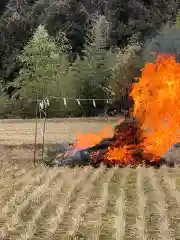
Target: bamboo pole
(35,140)
(44,128)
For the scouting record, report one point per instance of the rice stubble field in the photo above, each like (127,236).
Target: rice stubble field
(83,203)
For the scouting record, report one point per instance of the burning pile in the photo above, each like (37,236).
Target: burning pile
(125,147)
(152,131)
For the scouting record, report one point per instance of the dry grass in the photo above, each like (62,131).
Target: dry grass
(82,203)
(88,203)
(22,131)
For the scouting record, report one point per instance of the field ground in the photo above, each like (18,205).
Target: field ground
(87,203)
(14,132)
(81,203)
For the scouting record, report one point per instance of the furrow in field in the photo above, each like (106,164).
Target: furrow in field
(130,205)
(80,206)
(19,196)
(101,205)
(171,186)
(11,176)
(160,207)
(172,195)
(93,209)
(60,207)
(14,183)
(120,208)
(31,201)
(7,172)
(30,228)
(141,225)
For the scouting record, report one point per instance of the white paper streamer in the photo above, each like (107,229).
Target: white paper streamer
(94,103)
(44,104)
(47,102)
(65,102)
(79,103)
(41,105)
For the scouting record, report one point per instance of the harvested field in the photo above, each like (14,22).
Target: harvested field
(88,203)
(14,132)
(17,136)
(81,203)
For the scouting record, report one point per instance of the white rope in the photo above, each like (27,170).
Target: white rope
(44,104)
(81,99)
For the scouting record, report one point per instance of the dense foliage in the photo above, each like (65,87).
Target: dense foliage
(80,48)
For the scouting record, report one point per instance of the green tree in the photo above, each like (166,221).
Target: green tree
(125,69)
(93,72)
(45,70)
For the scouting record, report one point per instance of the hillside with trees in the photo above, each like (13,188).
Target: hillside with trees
(77,49)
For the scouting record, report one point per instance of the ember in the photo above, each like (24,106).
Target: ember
(151,132)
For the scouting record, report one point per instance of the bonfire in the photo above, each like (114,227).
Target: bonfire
(144,137)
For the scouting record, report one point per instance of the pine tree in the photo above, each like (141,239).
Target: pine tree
(45,67)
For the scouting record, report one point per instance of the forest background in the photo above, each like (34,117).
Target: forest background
(81,49)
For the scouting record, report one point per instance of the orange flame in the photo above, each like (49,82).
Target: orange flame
(91,139)
(156,103)
(121,155)
(156,107)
